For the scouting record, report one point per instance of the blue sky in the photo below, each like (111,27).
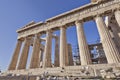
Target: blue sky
(16,13)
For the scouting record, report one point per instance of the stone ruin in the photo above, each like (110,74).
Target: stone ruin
(106,15)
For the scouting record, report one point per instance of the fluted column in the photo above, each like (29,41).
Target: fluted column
(66,56)
(56,52)
(70,56)
(35,53)
(24,55)
(83,46)
(116,36)
(117,16)
(109,46)
(108,25)
(40,58)
(114,30)
(47,54)
(62,46)
(15,56)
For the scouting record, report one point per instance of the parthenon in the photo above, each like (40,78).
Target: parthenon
(106,16)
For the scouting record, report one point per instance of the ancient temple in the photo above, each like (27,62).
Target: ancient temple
(105,14)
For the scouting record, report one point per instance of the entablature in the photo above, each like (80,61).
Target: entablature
(85,13)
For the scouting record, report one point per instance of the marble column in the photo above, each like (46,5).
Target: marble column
(111,52)
(117,16)
(47,54)
(24,55)
(108,24)
(70,55)
(114,30)
(41,57)
(15,56)
(67,56)
(35,53)
(56,52)
(116,35)
(83,46)
(62,46)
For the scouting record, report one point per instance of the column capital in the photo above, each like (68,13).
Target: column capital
(117,9)
(37,34)
(64,26)
(19,40)
(27,38)
(49,30)
(79,21)
(97,16)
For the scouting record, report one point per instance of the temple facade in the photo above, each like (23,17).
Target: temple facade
(106,16)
